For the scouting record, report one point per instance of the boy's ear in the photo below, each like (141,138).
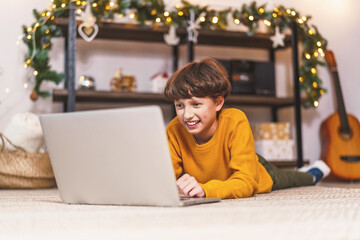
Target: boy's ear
(219,103)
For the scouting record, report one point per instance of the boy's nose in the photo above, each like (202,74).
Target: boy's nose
(188,113)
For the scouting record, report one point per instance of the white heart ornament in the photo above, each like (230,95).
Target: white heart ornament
(85,36)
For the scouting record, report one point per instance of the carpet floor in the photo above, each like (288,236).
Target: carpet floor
(315,212)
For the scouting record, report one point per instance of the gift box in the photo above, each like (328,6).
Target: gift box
(271,131)
(275,150)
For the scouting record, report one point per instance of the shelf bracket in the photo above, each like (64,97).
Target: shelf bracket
(297,100)
(70,61)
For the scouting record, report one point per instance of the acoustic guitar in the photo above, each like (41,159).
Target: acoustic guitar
(340,134)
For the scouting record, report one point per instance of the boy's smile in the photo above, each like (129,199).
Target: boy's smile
(199,116)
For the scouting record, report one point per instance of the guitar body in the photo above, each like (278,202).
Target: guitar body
(341,151)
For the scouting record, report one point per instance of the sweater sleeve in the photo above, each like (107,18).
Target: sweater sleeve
(175,153)
(243,163)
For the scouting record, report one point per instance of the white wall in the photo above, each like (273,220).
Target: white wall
(337,20)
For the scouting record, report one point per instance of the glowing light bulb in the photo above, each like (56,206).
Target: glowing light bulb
(153,12)
(267,23)
(111,4)
(157,20)
(293,13)
(288,11)
(301,79)
(166,14)
(180,13)
(316,103)
(316,54)
(300,21)
(215,19)
(132,15)
(318,44)
(35,73)
(94,5)
(237,21)
(307,56)
(310,32)
(168,19)
(313,70)
(47,31)
(29,36)
(315,85)
(261,10)
(251,18)
(25,85)
(202,19)
(29,29)
(63,5)
(304,19)
(274,15)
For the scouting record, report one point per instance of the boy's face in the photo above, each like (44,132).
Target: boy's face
(198,116)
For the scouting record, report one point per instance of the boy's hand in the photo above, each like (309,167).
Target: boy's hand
(189,186)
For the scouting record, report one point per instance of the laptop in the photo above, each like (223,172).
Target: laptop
(117,156)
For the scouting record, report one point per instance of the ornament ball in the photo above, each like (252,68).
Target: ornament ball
(34,96)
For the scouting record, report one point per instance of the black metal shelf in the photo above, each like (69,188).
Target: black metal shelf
(116,31)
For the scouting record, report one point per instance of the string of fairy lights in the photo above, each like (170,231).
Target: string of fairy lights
(148,13)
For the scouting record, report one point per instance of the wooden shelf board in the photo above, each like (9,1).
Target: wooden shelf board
(60,95)
(135,32)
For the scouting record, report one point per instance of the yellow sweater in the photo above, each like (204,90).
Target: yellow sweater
(227,165)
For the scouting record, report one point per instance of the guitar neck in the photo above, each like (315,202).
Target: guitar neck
(340,103)
(330,59)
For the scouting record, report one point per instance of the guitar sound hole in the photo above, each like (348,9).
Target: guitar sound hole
(350,159)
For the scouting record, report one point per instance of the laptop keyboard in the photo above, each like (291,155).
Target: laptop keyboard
(185,198)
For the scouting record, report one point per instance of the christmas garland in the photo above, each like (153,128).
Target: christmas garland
(38,36)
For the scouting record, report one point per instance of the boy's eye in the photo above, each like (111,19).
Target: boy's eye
(196,104)
(179,105)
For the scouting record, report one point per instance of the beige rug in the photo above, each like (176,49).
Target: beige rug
(299,213)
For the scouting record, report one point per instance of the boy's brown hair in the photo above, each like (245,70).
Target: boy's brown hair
(207,78)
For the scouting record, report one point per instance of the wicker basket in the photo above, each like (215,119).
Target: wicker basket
(19,169)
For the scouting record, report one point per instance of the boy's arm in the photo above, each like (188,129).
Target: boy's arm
(243,162)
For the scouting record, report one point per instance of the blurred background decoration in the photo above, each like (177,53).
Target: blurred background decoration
(148,13)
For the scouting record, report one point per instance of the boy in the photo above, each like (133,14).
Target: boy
(212,149)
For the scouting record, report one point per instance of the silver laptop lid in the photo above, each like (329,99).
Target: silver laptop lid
(116,156)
